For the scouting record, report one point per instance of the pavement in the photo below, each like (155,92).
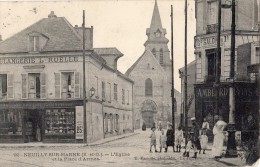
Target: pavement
(126,150)
(41,144)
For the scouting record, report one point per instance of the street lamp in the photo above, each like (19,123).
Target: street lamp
(92,91)
(231,144)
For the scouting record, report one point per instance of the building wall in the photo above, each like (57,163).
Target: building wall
(246,15)
(96,105)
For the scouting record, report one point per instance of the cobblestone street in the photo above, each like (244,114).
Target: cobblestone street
(129,151)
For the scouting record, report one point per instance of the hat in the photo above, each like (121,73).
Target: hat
(193,119)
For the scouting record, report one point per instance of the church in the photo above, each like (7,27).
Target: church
(152,78)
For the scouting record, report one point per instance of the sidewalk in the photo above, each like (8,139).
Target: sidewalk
(41,144)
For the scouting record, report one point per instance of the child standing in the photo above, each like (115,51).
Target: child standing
(203,140)
(162,140)
(178,139)
(153,140)
(188,147)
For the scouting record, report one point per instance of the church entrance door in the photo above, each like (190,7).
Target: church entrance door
(149,110)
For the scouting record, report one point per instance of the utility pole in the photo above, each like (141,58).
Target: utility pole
(231,144)
(84,83)
(218,54)
(185,76)
(173,99)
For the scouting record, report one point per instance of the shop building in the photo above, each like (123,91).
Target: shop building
(41,86)
(205,43)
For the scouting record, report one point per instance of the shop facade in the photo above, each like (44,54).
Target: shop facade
(41,86)
(246,105)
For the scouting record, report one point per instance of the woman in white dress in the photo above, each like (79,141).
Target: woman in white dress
(219,137)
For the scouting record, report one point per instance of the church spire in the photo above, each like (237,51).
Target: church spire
(156,19)
(156,33)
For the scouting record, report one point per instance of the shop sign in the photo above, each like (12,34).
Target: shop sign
(79,122)
(38,60)
(209,41)
(240,91)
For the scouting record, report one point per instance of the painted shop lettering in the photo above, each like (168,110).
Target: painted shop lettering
(240,92)
(38,60)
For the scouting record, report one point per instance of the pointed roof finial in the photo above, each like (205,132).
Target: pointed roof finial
(156,19)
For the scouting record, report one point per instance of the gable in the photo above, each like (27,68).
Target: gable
(147,64)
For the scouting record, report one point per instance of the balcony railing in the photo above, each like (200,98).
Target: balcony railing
(212,28)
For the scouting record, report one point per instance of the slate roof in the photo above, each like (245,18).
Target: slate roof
(60,35)
(188,65)
(108,51)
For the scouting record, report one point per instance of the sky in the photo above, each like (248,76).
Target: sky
(117,23)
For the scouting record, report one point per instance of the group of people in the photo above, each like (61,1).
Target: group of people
(197,138)
(166,139)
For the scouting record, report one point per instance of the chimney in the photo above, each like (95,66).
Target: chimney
(1,38)
(76,26)
(52,15)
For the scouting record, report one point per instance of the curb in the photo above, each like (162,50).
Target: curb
(57,145)
(104,142)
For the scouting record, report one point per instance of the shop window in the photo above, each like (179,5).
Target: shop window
(123,96)
(10,122)
(148,87)
(3,86)
(103,91)
(161,56)
(60,121)
(115,92)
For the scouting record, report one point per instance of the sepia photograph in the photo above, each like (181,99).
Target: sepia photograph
(129,83)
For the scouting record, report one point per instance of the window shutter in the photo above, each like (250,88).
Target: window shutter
(10,86)
(1,90)
(77,85)
(24,86)
(73,85)
(43,85)
(57,85)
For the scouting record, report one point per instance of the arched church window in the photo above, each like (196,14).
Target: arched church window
(148,87)
(161,56)
(154,52)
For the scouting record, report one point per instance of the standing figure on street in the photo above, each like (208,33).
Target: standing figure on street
(169,135)
(194,139)
(162,140)
(188,146)
(219,137)
(178,139)
(153,140)
(203,140)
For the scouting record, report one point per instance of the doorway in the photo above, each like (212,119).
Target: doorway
(33,125)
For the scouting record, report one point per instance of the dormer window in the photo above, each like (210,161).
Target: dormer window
(37,41)
(34,43)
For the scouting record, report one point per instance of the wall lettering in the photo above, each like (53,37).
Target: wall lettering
(38,60)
